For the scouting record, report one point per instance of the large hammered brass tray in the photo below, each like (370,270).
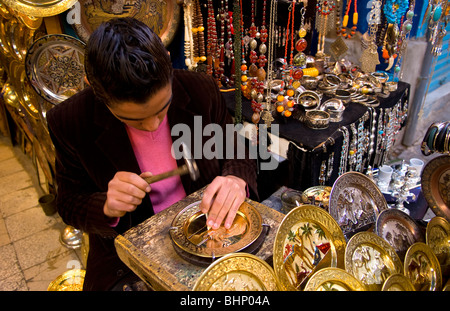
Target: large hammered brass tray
(40,8)
(436,185)
(371,259)
(162,16)
(399,230)
(438,239)
(188,231)
(355,202)
(54,65)
(422,268)
(307,240)
(333,279)
(238,272)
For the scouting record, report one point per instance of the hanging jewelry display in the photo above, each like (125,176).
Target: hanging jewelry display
(237,20)
(300,58)
(352,31)
(325,20)
(393,11)
(344,150)
(211,46)
(403,41)
(369,58)
(188,35)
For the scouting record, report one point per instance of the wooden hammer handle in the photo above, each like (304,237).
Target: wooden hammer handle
(182,170)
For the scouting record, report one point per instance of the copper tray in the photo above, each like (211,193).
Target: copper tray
(436,185)
(54,65)
(40,8)
(422,268)
(355,202)
(161,16)
(399,230)
(307,240)
(188,231)
(238,272)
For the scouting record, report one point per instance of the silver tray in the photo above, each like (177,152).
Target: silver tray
(355,202)
(54,65)
(399,230)
(161,16)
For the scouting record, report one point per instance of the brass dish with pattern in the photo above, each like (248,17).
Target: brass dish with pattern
(71,280)
(437,238)
(333,279)
(398,282)
(40,8)
(422,268)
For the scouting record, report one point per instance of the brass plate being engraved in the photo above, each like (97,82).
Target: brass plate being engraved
(398,282)
(422,268)
(333,279)
(307,240)
(436,185)
(161,16)
(438,239)
(55,67)
(238,272)
(40,8)
(188,231)
(355,201)
(399,230)
(71,280)
(371,259)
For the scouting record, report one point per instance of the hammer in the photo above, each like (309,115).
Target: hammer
(189,167)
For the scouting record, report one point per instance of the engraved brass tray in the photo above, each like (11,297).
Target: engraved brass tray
(355,202)
(371,259)
(238,272)
(71,280)
(307,240)
(399,230)
(436,185)
(54,65)
(333,279)
(437,238)
(398,282)
(422,268)
(319,196)
(161,16)
(189,232)
(40,8)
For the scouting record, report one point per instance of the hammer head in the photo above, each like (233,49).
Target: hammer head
(190,162)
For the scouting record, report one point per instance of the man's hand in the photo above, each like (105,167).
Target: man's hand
(125,192)
(222,198)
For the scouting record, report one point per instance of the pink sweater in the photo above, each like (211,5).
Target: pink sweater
(153,153)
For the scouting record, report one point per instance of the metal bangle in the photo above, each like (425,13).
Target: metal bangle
(435,136)
(382,77)
(327,77)
(441,137)
(391,86)
(317,119)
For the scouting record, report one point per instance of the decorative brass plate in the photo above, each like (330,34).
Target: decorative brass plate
(54,65)
(161,16)
(398,282)
(188,231)
(333,279)
(40,8)
(307,240)
(71,280)
(422,268)
(437,238)
(320,195)
(436,185)
(371,259)
(355,201)
(237,272)
(399,230)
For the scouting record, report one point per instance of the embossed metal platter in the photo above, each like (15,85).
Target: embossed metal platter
(333,279)
(71,280)
(189,231)
(397,282)
(435,181)
(307,240)
(437,238)
(319,196)
(355,202)
(371,259)
(422,268)
(238,272)
(399,230)
(40,8)
(162,17)
(54,65)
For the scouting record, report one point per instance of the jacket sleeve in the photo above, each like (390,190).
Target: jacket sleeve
(79,201)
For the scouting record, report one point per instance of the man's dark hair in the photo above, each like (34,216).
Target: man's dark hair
(126,61)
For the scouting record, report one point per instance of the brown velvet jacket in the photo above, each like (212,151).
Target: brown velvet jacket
(92,145)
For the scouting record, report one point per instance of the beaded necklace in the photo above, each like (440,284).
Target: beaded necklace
(325,14)
(393,11)
(211,46)
(344,32)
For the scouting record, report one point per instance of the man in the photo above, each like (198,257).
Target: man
(114,133)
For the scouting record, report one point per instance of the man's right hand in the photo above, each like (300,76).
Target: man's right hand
(125,192)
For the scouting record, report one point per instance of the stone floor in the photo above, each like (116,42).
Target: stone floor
(30,251)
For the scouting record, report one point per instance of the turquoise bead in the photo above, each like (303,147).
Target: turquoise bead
(410,14)
(397,68)
(437,13)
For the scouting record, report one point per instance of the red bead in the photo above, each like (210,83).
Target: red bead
(301,45)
